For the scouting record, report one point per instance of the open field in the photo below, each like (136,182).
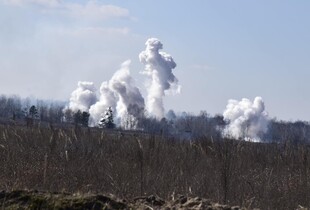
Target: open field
(131,164)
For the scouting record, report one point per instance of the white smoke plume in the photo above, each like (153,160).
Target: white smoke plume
(107,99)
(83,97)
(121,94)
(247,119)
(130,100)
(158,66)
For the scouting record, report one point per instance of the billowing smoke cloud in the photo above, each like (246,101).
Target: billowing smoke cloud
(83,97)
(121,94)
(247,120)
(158,66)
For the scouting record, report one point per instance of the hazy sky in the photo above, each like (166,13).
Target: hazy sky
(224,49)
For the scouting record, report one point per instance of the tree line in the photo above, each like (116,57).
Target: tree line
(184,126)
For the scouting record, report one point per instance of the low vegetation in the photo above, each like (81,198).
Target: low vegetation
(59,201)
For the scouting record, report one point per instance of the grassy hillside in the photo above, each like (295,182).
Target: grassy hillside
(131,164)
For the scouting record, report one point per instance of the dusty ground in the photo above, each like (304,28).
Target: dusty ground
(64,201)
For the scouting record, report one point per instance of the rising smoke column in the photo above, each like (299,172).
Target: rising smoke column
(83,97)
(158,66)
(130,100)
(121,94)
(247,119)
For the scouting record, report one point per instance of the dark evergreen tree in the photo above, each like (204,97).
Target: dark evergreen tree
(85,118)
(33,112)
(77,116)
(81,118)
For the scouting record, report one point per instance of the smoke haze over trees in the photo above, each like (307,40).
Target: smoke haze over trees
(244,119)
(14,109)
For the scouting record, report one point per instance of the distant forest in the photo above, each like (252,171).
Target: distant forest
(29,112)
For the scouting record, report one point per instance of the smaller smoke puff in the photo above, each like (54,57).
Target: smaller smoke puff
(158,66)
(83,97)
(247,120)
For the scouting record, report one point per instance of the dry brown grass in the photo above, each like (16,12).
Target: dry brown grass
(129,164)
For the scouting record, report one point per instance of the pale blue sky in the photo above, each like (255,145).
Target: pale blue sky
(224,49)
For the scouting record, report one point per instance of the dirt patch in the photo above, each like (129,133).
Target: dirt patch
(65,201)
(182,202)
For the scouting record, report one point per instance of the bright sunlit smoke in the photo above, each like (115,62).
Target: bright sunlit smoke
(83,97)
(158,66)
(247,120)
